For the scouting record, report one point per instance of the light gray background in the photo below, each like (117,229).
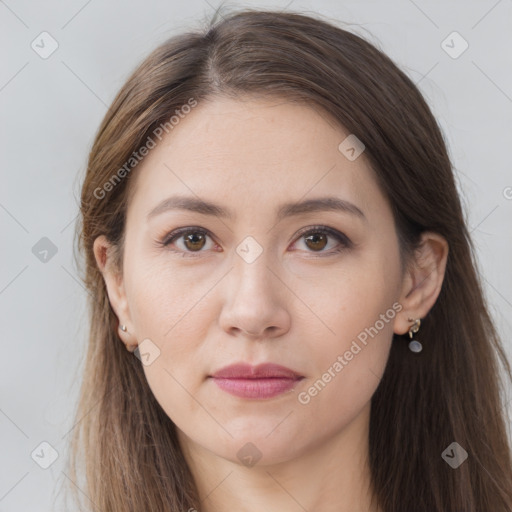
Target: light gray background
(51,108)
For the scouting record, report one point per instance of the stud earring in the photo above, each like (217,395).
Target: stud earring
(130,346)
(414,345)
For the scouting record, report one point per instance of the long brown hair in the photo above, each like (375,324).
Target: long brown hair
(450,393)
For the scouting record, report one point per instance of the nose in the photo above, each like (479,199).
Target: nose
(255,301)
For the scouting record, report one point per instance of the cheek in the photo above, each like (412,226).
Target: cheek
(359,307)
(355,301)
(162,296)
(175,312)
(348,374)
(177,374)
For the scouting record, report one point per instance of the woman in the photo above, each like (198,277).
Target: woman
(285,309)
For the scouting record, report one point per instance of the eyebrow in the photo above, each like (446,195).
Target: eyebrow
(203,207)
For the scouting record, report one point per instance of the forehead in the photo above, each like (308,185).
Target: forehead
(250,150)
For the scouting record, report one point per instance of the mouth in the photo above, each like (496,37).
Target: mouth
(257,382)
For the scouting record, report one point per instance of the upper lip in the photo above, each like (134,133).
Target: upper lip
(261,371)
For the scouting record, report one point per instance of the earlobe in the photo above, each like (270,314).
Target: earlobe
(423,280)
(129,346)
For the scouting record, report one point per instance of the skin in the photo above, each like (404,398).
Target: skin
(298,304)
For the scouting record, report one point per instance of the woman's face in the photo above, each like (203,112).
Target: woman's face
(264,283)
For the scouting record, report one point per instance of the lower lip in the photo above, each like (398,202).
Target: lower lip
(256,388)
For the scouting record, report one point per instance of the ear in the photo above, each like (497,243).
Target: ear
(104,254)
(422,281)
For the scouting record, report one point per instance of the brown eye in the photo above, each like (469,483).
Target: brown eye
(194,241)
(188,241)
(324,240)
(316,241)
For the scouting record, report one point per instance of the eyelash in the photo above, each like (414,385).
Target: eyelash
(343,240)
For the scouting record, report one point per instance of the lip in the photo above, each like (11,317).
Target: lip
(261,371)
(264,381)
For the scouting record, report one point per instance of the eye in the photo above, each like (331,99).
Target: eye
(194,239)
(316,239)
